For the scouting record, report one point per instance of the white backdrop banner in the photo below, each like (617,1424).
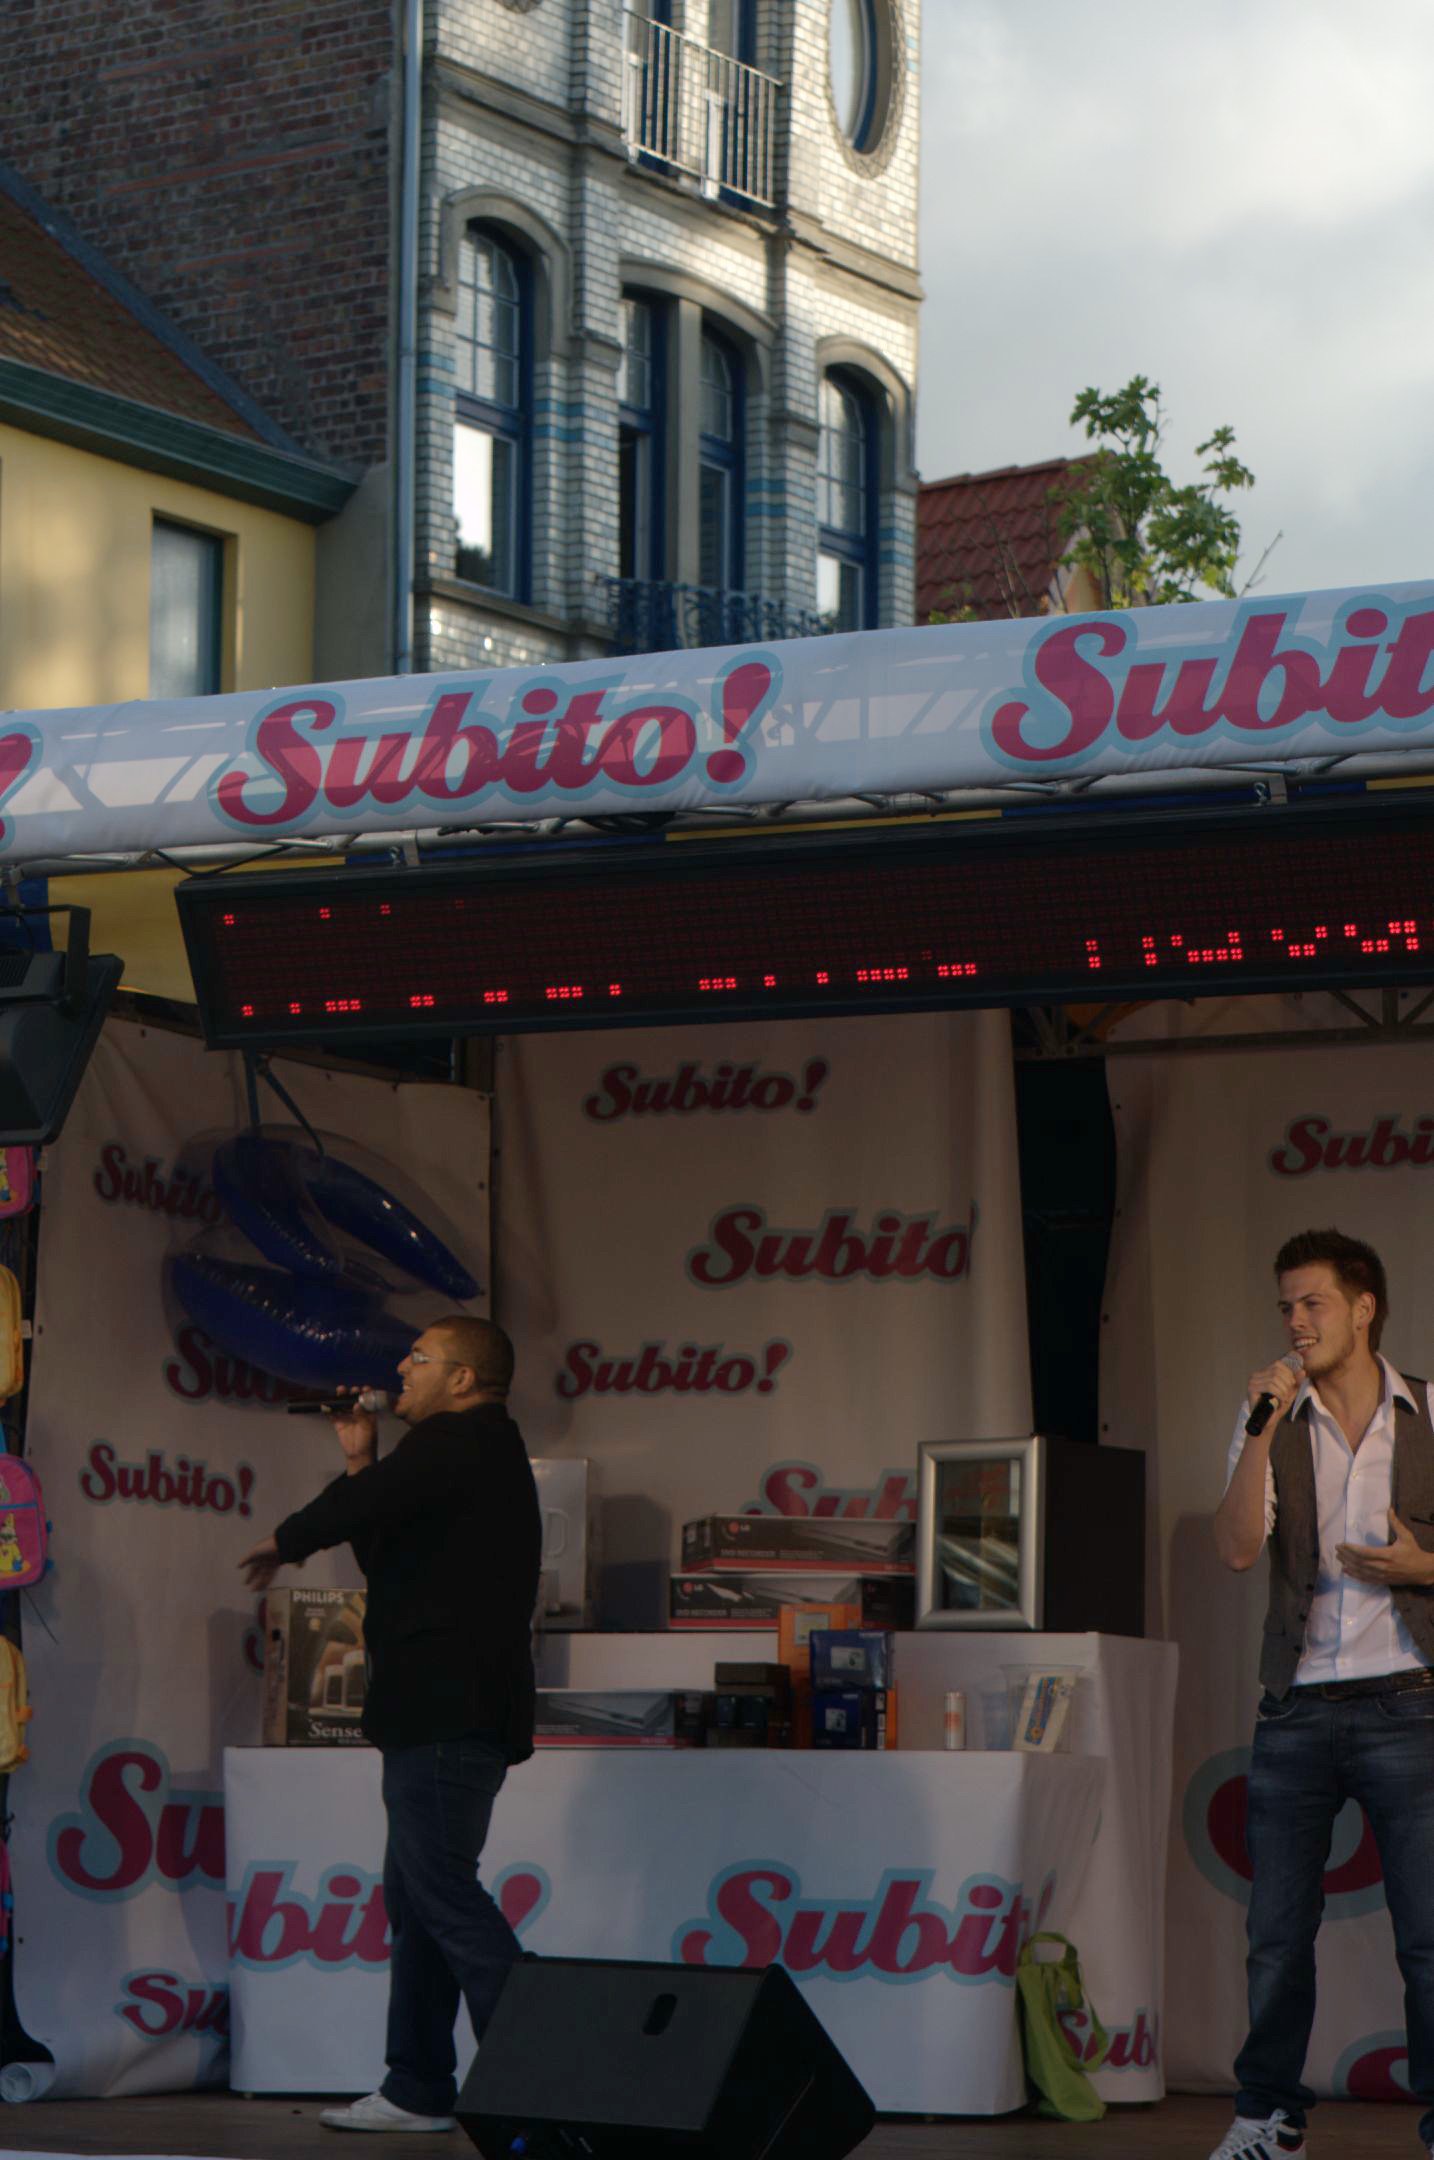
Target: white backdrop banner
(1222,1156)
(754,1267)
(164,1460)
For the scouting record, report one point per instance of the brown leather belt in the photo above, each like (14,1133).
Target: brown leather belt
(1389,1683)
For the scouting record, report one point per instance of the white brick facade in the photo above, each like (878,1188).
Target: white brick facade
(524,135)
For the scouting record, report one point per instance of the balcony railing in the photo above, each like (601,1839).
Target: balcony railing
(654,615)
(699,112)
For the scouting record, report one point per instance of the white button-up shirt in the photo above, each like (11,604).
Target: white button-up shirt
(1353,1631)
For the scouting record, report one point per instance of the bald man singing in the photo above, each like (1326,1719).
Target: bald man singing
(447,1531)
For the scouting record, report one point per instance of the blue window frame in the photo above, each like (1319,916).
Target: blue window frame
(852,59)
(732,29)
(642,439)
(847,505)
(186,611)
(491,434)
(721,428)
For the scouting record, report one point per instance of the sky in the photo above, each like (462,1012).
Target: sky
(1236,200)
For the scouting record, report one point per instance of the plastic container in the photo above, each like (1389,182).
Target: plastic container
(1040,1701)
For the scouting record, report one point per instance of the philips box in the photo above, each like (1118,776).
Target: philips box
(315,1671)
(850,1544)
(567,1502)
(714,1599)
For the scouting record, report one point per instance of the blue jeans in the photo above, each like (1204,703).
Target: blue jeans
(1311,1755)
(449,1938)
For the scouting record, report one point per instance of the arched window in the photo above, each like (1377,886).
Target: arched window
(642,436)
(490,432)
(846,505)
(720,430)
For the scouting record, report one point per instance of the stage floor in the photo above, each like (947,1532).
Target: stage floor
(217,2126)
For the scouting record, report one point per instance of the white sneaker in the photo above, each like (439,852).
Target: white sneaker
(373,2112)
(1247,2139)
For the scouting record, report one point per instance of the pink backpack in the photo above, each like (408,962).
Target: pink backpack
(17,1180)
(23,1528)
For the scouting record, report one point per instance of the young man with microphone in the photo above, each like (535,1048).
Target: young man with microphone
(1332,1469)
(447,1531)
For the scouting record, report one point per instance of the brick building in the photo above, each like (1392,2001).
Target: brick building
(654,351)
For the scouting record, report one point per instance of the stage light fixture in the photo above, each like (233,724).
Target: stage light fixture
(52,1005)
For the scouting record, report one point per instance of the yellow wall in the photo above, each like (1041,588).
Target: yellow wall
(74,578)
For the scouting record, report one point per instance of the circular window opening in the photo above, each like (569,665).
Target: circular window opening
(859,69)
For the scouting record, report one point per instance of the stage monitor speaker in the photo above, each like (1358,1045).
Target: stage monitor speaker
(591,2059)
(52,1005)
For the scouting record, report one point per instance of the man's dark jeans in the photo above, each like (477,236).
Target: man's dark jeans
(449,1938)
(1311,1755)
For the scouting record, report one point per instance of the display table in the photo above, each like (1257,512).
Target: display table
(895,1887)
(1123,1710)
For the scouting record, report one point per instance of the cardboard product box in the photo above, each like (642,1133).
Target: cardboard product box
(853,1717)
(567,1502)
(751,1706)
(851,1657)
(830,1543)
(617,1717)
(315,1670)
(714,1599)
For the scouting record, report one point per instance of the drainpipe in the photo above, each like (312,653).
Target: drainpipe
(406,399)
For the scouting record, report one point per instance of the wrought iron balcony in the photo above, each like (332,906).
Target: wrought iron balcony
(699,112)
(654,615)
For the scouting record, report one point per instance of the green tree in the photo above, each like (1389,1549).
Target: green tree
(1142,539)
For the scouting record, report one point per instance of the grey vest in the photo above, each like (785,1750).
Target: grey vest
(1294,1542)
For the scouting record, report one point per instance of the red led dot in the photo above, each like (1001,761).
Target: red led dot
(1152,959)
(823,977)
(324,914)
(296,1008)
(498,997)
(385,909)
(1351,929)
(247,1011)
(1277,934)
(1176,938)
(1321,930)
(614,989)
(229,920)
(769,982)
(970,967)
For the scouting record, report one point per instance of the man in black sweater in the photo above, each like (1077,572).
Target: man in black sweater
(447,1532)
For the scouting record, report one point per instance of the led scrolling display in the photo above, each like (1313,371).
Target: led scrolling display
(934,915)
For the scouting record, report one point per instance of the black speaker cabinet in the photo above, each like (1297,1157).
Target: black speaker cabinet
(606,2059)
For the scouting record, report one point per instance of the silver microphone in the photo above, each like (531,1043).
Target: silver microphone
(370,1399)
(1263,1410)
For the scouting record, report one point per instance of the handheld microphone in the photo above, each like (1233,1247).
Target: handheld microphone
(370,1399)
(1260,1416)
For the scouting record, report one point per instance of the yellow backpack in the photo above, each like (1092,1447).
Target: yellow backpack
(15,1712)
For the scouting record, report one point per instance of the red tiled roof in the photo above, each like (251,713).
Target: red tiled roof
(988,541)
(54,315)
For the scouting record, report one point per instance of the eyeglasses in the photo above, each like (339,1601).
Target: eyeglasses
(426,1357)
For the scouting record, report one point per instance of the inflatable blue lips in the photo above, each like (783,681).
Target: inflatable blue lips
(273,1189)
(316,1315)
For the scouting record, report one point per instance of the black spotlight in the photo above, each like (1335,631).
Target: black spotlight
(51,1008)
(597,2059)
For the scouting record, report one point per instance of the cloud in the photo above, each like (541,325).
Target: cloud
(1237,201)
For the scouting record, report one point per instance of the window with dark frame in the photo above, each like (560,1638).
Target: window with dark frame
(720,432)
(491,477)
(186,611)
(642,417)
(846,505)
